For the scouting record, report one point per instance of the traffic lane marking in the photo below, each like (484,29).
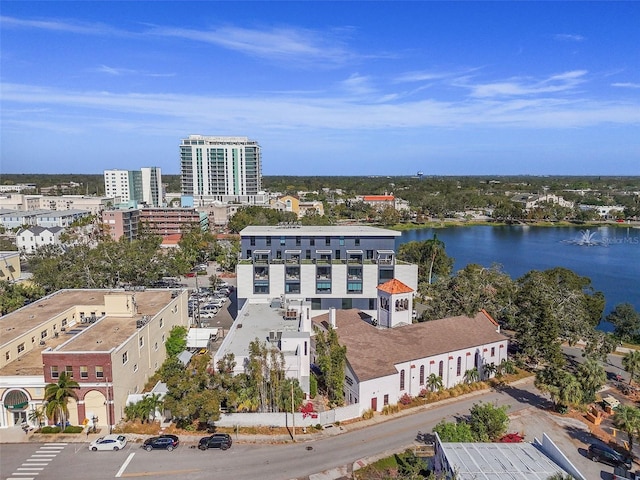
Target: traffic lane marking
(164,472)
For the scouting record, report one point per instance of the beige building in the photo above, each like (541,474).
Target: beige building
(109,341)
(10,266)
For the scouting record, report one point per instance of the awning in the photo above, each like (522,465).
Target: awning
(386,252)
(16,400)
(261,252)
(293,251)
(354,251)
(324,251)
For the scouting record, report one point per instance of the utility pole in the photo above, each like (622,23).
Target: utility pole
(293,414)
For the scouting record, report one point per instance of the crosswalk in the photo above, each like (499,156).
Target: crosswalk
(36,463)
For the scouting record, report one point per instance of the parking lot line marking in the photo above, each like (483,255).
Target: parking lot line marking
(124,465)
(21,478)
(30,468)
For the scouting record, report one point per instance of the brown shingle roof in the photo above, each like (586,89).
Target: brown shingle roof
(395,286)
(373,352)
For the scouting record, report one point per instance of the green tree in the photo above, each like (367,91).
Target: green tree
(488,422)
(331,358)
(176,341)
(631,364)
(559,384)
(454,431)
(472,375)
(626,321)
(14,295)
(627,419)
(434,382)
(430,256)
(591,376)
(37,416)
(57,396)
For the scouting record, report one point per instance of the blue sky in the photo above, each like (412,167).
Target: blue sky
(326,88)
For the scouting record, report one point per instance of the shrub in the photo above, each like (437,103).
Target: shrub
(50,429)
(390,409)
(313,386)
(73,429)
(406,399)
(368,414)
(423,393)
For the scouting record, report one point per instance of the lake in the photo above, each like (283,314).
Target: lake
(609,256)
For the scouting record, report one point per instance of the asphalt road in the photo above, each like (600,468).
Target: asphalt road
(285,461)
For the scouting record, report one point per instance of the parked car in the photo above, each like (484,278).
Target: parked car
(109,442)
(620,473)
(217,440)
(164,442)
(604,454)
(208,314)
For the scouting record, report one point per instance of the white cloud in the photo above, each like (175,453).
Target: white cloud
(116,71)
(524,86)
(178,113)
(285,43)
(60,26)
(568,37)
(626,85)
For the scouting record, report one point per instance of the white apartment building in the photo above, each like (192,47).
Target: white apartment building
(152,192)
(28,240)
(126,184)
(332,267)
(224,169)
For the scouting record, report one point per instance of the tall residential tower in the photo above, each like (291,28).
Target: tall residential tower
(226,169)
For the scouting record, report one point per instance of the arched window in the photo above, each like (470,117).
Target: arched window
(421,374)
(459,366)
(401,379)
(440,368)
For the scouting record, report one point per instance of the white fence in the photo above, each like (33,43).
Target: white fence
(284,419)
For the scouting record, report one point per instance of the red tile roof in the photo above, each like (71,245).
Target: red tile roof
(378,198)
(395,286)
(373,352)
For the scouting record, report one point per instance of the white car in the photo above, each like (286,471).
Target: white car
(109,442)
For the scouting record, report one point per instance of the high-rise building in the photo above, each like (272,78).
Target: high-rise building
(152,186)
(220,168)
(126,184)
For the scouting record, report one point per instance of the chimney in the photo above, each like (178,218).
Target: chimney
(332,318)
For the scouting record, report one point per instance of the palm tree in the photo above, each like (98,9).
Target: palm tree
(37,416)
(627,418)
(592,376)
(471,375)
(631,363)
(570,391)
(506,366)
(57,396)
(490,369)
(434,382)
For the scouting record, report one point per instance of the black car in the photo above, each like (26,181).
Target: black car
(217,440)
(164,442)
(604,454)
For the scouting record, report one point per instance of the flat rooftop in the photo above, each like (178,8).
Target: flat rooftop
(317,230)
(106,333)
(499,461)
(257,320)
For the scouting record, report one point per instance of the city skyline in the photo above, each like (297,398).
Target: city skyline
(325,88)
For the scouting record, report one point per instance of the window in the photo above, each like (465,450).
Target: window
(298,241)
(69,371)
(54,372)
(161,322)
(268,241)
(43,334)
(312,242)
(459,366)
(99,372)
(327,241)
(282,240)
(135,368)
(248,253)
(163,339)
(20,348)
(493,351)
(125,357)
(401,379)
(64,322)
(308,254)
(440,368)
(386,399)
(141,342)
(421,374)
(357,242)
(342,241)
(7,356)
(252,241)
(84,371)
(155,346)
